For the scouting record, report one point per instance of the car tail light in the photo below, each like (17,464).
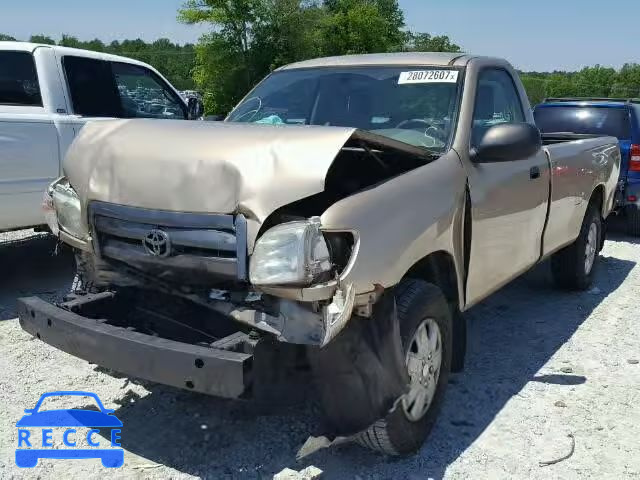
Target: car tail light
(632,198)
(634,162)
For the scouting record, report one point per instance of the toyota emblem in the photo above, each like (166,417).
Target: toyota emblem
(157,243)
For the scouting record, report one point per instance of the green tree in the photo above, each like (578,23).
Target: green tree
(361,26)
(627,81)
(223,56)
(536,88)
(220,72)
(593,81)
(250,38)
(423,42)
(4,37)
(287,31)
(42,39)
(70,41)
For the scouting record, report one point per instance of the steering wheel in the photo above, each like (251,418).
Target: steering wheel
(439,133)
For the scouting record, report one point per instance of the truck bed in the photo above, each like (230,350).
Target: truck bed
(561,137)
(578,163)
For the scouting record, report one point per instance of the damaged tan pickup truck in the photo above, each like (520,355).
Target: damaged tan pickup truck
(333,227)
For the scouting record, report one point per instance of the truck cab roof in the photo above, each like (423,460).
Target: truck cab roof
(441,59)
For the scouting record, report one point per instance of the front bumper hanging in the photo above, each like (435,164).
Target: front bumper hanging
(209,370)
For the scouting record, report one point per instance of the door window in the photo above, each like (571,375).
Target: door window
(18,80)
(497,101)
(144,94)
(113,89)
(92,87)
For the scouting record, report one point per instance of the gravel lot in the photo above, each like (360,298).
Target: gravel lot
(542,365)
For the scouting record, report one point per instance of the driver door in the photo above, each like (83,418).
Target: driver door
(508,199)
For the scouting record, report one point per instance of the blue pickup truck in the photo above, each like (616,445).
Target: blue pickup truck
(617,117)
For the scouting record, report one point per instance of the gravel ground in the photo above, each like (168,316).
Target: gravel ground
(542,365)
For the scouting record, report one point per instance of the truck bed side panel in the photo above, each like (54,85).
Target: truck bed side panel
(578,167)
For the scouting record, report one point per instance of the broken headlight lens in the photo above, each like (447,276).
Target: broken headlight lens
(66,205)
(49,211)
(290,253)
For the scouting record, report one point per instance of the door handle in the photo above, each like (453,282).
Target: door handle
(534,172)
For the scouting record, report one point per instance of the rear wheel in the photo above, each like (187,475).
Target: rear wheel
(574,266)
(632,214)
(425,328)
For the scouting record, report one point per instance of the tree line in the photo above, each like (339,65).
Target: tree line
(594,81)
(250,38)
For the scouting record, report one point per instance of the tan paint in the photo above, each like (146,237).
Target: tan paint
(578,168)
(255,169)
(205,167)
(402,221)
(509,208)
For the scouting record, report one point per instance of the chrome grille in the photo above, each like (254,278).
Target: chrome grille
(204,248)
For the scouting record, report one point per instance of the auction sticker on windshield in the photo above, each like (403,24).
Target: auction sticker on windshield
(428,76)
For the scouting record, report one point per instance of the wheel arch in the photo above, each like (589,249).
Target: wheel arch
(440,269)
(598,198)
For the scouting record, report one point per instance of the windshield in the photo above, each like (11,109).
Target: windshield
(612,121)
(412,105)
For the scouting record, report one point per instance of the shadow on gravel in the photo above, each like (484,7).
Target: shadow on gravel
(554,379)
(212,437)
(29,266)
(620,237)
(512,335)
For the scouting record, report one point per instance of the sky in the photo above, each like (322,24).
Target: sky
(538,35)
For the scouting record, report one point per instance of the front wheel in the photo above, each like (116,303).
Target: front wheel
(426,331)
(574,266)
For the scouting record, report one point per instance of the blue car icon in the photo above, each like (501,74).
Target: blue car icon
(111,458)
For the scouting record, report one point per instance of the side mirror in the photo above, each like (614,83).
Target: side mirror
(195,108)
(214,118)
(507,142)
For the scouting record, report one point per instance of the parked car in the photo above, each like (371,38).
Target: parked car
(337,222)
(617,117)
(47,93)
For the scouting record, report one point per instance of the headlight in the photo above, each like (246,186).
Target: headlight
(66,205)
(290,253)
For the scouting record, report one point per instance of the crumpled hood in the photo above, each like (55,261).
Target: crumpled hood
(202,167)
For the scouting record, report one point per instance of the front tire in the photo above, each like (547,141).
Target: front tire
(574,266)
(426,331)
